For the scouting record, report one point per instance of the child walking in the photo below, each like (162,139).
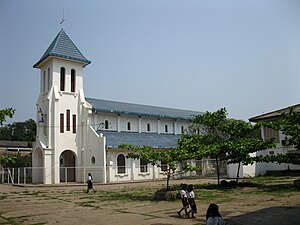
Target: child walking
(191,199)
(184,200)
(90,183)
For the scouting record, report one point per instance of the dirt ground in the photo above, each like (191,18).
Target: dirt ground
(71,205)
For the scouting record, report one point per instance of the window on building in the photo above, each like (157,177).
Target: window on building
(271,133)
(163,166)
(44,81)
(166,128)
(128,126)
(74,124)
(49,79)
(143,166)
(148,127)
(68,119)
(121,163)
(62,122)
(106,124)
(73,80)
(182,129)
(62,78)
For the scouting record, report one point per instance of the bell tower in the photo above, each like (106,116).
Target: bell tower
(59,107)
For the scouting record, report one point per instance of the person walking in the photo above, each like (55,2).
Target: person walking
(213,216)
(90,183)
(184,200)
(191,200)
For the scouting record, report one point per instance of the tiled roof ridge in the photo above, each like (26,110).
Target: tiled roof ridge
(138,104)
(102,105)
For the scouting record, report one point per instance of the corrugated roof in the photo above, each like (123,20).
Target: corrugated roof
(62,46)
(114,139)
(274,114)
(100,105)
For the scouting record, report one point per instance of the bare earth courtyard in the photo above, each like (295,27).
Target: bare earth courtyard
(71,205)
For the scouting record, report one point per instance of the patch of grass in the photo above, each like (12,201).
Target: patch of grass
(125,195)
(3,197)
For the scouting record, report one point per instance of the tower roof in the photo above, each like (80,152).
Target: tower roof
(63,47)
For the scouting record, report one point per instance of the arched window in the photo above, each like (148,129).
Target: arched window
(106,124)
(128,126)
(143,166)
(44,81)
(62,78)
(148,127)
(166,128)
(49,79)
(182,129)
(73,80)
(121,163)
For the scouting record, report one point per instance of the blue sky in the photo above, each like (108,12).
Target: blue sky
(189,54)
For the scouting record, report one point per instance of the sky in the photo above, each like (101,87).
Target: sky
(198,55)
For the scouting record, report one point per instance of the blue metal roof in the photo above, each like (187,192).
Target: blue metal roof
(114,139)
(63,47)
(100,105)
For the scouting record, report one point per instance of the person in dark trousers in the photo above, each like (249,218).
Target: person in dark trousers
(90,183)
(184,200)
(213,216)
(191,199)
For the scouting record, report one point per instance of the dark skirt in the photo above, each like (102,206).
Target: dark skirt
(185,202)
(193,205)
(90,184)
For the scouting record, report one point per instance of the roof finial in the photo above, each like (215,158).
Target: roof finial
(63,18)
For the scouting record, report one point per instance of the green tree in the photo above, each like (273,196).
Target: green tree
(19,131)
(222,139)
(7,112)
(242,140)
(155,156)
(206,136)
(15,160)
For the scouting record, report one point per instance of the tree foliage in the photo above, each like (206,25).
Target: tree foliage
(223,139)
(155,156)
(7,112)
(206,136)
(15,160)
(19,131)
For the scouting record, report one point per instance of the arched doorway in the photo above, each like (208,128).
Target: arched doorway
(37,166)
(67,166)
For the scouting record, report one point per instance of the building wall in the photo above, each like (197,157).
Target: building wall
(138,124)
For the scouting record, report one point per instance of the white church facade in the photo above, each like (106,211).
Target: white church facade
(77,135)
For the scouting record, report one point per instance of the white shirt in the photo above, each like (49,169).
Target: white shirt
(191,194)
(183,194)
(215,221)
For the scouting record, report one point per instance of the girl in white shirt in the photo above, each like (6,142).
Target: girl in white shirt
(191,199)
(184,199)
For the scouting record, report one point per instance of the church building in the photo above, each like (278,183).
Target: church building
(78,135)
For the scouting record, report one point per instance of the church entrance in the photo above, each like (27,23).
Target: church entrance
(67,166)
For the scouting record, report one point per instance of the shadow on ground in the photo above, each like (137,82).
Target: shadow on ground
(273,215)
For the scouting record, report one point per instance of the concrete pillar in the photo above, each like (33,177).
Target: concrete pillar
(48,159)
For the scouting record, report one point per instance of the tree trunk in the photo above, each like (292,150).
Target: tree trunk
(218,171)
(168,179)
(238,172)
